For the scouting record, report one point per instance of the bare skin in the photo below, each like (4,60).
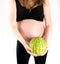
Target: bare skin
(29,30)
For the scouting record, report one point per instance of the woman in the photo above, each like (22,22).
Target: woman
(30,18)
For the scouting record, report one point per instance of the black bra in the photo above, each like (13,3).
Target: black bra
(23,13)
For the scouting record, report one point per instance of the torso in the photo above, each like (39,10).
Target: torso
(30,26)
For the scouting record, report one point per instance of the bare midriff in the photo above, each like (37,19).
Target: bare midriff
(30,28)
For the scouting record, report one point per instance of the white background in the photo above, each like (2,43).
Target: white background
(8,41)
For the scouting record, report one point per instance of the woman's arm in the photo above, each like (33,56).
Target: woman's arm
(48,24)
(15,29)
(14,23)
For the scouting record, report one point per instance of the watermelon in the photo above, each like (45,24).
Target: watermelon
(38,45)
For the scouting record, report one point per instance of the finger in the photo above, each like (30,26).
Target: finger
(29,49)
(31,53)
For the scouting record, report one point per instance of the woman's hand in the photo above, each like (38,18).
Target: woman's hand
(29,50)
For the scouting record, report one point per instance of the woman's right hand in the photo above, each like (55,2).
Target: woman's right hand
(29,50)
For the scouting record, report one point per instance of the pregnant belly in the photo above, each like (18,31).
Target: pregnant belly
(30,28)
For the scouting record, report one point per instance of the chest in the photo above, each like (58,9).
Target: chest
(23,13)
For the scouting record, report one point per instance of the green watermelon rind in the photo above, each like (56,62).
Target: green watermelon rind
(34,46)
